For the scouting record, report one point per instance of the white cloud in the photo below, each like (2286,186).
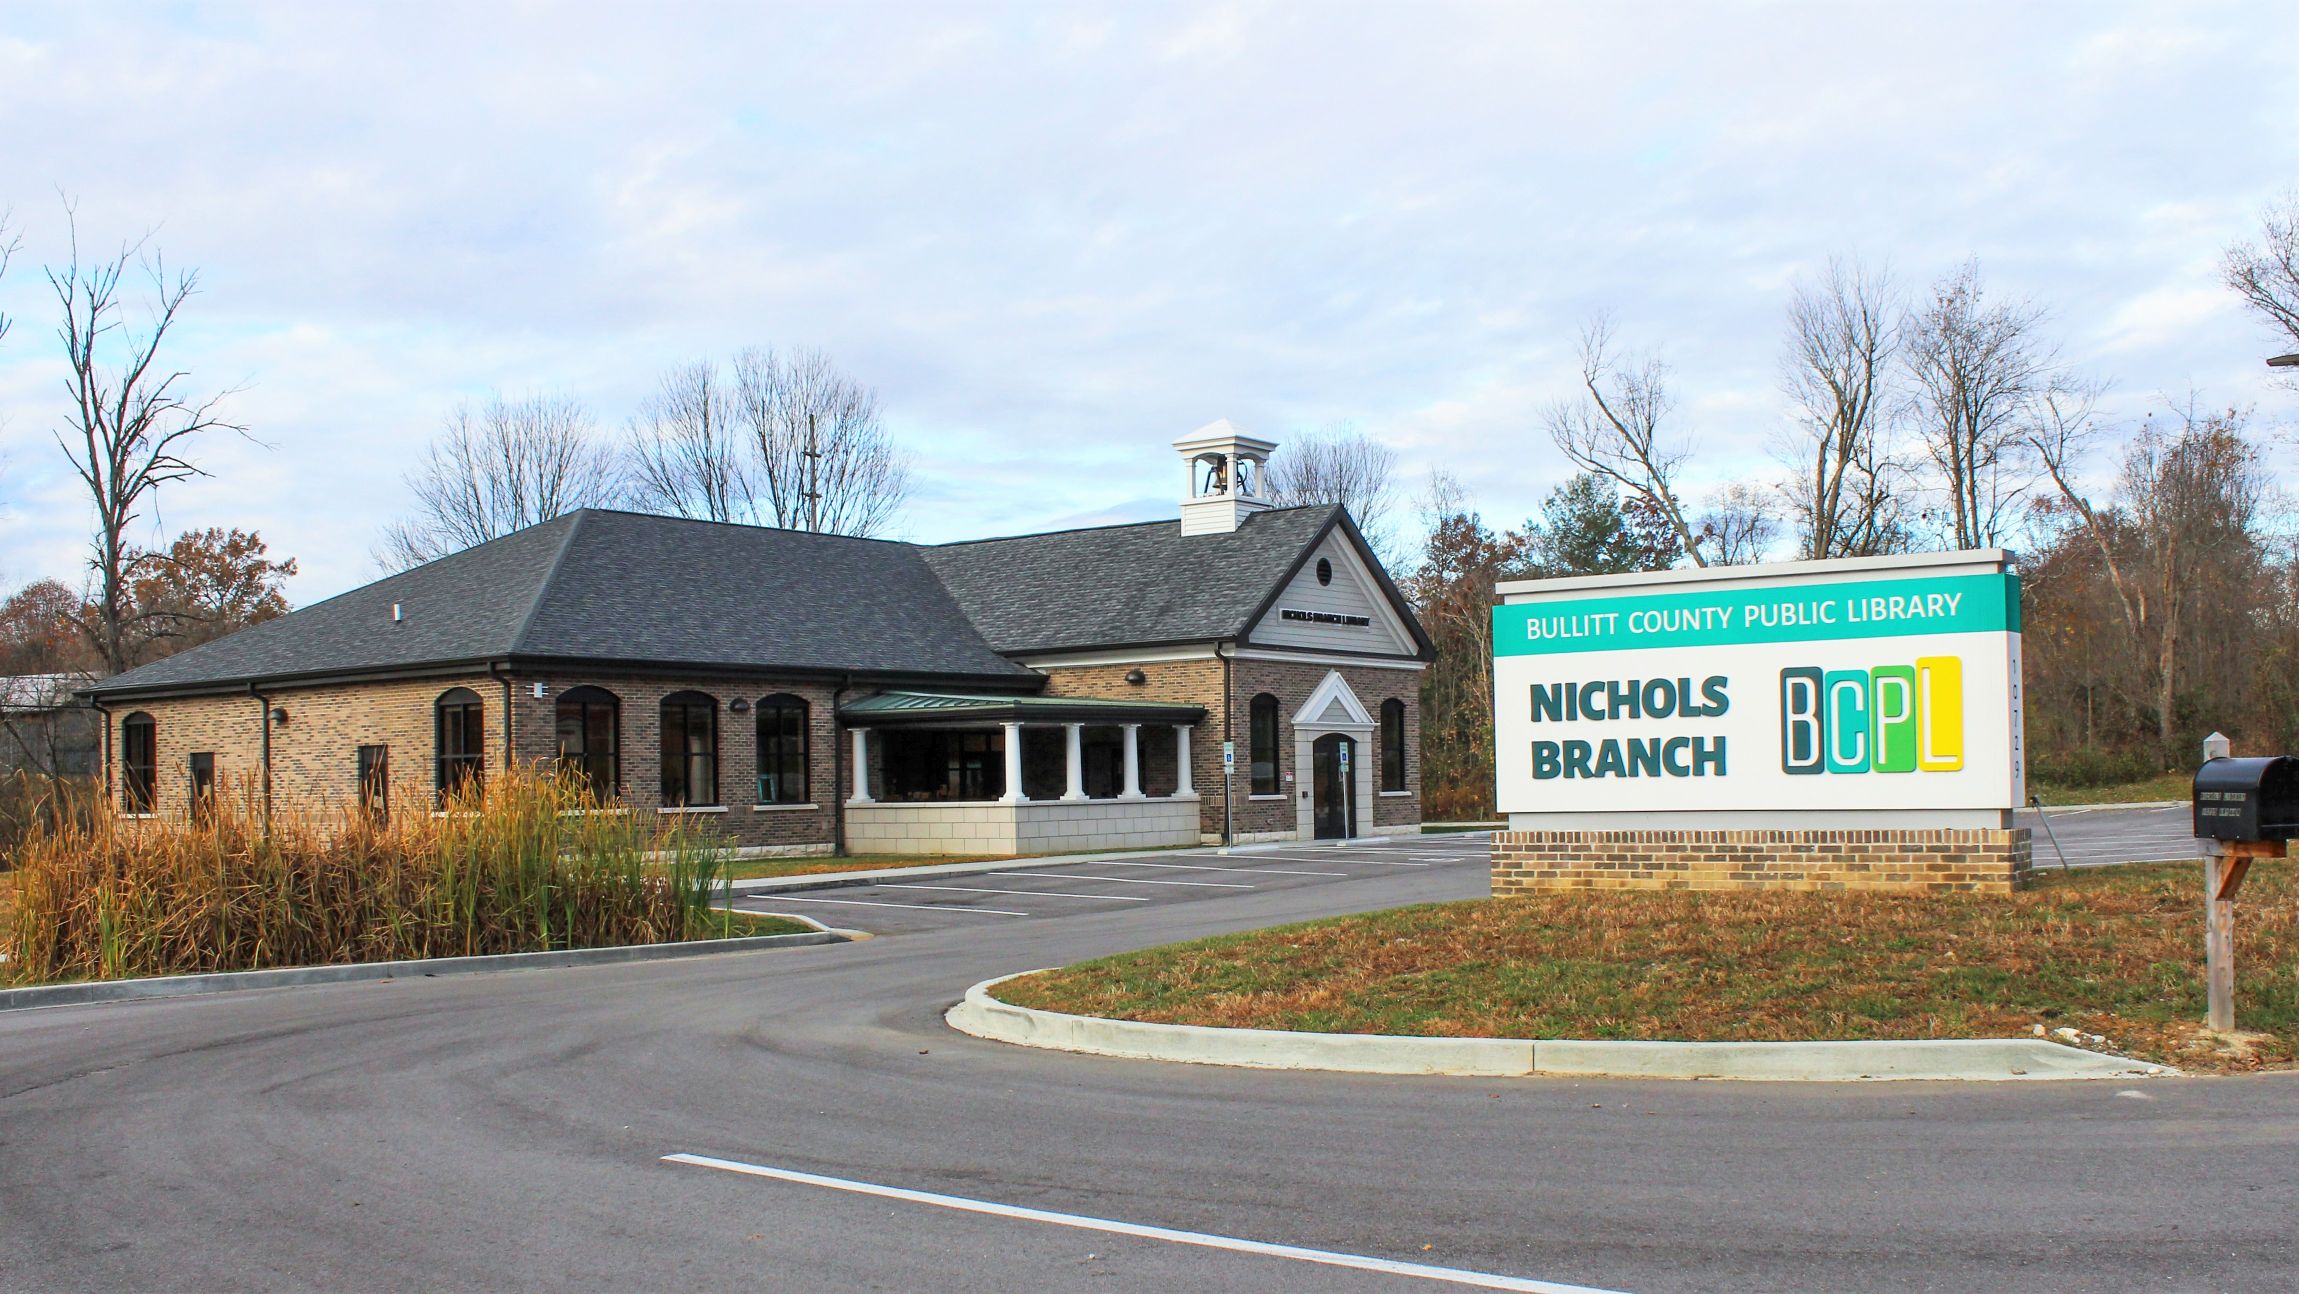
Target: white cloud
(1058,238)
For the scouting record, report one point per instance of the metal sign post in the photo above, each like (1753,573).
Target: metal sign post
(1228,801)
(1348,812)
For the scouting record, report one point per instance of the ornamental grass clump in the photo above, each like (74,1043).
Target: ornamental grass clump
(526,864)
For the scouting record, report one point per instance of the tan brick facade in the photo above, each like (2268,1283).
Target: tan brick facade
(1199,682)
(1910,861)
(314,754)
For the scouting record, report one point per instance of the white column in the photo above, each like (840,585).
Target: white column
(1077,761)
(1013,793)
(1133,789)
(861,767)
(1184,788)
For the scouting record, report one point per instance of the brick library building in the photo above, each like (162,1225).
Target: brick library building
(801,693)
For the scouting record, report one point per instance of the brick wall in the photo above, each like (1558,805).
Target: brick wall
(1938,861)
(1198,682)
(315,753)
(535,728)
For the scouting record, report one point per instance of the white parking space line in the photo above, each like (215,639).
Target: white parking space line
(1207,867)
(1050,894)
(922,907)
(1205,1240)
(1128,880)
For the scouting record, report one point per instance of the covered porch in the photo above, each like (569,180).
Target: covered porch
(940,773)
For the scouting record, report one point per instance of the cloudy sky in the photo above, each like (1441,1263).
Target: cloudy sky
(1056,237)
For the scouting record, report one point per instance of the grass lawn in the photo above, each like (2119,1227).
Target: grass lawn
(2167,786)
(2116,952)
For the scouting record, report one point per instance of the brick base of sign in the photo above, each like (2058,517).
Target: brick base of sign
(1911,862)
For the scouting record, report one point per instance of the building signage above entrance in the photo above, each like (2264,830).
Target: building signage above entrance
(1323,617)
(1871,684)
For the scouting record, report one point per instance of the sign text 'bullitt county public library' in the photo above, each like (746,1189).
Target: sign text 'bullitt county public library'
(1761,689)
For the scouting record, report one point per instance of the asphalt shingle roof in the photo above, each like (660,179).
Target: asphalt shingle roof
(1125,585)
(602,586)
(598,585)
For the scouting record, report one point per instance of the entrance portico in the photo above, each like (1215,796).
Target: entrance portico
(936,772)
(1332,739)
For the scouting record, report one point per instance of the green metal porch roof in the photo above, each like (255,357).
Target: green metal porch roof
(896,709)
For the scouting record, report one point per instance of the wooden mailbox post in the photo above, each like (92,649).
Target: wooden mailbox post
(2245,809)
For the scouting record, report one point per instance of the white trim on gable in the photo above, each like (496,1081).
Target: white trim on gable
(1334,690)
(1355,591)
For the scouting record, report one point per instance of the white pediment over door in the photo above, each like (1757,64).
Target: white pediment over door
(1333,705)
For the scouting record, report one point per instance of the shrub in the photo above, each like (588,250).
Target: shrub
(525,865)
(2086,766)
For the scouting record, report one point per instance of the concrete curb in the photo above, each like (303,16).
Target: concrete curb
(1975,1060)
(2064,810)
(165,986)
(836,880)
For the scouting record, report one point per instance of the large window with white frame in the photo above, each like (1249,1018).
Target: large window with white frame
(590,740)
(1392,745)
(1261,721)
(782,750)
(139,763)
(690,750)
(459,742)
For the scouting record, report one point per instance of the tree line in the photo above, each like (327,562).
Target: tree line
(2162,598)
(2159,560)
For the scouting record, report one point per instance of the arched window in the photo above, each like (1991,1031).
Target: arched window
(690,749)
(782,741)
(1392,745)
(1262,720)
(590,739)
(139,763)
(461,741)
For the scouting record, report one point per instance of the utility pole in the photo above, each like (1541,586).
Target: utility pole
(813,492)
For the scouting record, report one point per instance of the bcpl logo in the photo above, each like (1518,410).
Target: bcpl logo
(1890,719)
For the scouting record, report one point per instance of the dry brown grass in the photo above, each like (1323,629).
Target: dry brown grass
(2116,953)
(518,868)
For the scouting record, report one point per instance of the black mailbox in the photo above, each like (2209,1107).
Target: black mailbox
(2248,799)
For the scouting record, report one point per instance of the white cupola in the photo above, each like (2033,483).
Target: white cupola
(1225,478)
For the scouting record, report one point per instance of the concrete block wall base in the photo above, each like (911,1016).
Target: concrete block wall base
(1976,1059)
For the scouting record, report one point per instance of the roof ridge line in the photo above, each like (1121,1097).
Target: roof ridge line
(543,586)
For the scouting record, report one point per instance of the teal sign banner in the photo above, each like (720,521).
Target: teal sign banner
(1890,608)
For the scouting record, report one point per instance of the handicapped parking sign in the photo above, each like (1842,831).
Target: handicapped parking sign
(1229,757)
(1345,757)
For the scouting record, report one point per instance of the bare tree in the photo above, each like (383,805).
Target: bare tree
(1340,465)
(688,458)
(503,466)
(1976,369)
(1842,343)
(1614,431)
(2063,432)
(824,461)
(2266,273)
(1739,527)
(9,243)
(2192,495)
(130,427)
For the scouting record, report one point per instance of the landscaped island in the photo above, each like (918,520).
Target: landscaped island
(523,865)
(2113,954)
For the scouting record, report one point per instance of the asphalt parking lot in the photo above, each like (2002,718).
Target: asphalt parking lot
(2104,837)
(1024,891)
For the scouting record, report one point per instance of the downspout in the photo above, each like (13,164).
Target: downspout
(838,769)
(495,670)
(97,703)
(263,721)
(1228,781)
